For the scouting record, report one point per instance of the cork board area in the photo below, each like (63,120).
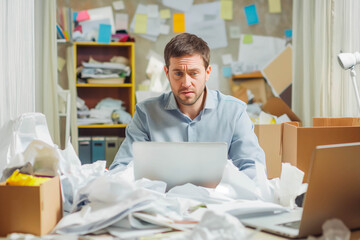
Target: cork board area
(270,24)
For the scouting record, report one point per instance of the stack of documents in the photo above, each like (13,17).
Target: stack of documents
(105,72)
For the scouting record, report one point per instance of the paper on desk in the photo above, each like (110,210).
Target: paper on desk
(124,233)
(202,194)
(245,207)
(214,225)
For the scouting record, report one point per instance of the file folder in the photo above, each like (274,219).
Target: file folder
(111,148)
(97,148)
(85,149)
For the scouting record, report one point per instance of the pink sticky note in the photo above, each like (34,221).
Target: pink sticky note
(82,16)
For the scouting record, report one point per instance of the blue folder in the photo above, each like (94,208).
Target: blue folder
(98,148)
(85,149)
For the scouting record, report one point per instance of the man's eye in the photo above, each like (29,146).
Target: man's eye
(178,74)
(194,73)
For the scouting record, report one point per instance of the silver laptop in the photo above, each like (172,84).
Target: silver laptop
(333,192)
(177,163)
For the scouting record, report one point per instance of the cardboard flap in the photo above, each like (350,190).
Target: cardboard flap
(276,106)
(335,122)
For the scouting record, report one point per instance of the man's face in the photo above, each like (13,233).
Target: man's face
(187,76)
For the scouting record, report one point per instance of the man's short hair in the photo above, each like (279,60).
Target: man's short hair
(186,44)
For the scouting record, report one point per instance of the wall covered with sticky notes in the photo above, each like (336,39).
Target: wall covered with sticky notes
(227,26)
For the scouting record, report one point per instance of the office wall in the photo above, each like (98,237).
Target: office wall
(270,25)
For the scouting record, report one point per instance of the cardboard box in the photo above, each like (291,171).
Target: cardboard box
(255,82)
(269,135)
(30,209)
(299,142)
(336,122)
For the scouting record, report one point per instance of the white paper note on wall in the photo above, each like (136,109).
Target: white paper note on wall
(182,5)
(103,13)
(213,29)
(261,51)
(118,5)
(121,21)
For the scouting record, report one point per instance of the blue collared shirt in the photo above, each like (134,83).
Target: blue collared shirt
(223,119)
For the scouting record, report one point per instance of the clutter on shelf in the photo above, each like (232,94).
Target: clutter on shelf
(106,111)
(113,72)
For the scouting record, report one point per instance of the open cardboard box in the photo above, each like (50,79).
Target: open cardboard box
(300,142)
(269,135)
(30,209)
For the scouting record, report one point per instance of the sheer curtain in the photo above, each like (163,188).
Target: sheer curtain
(321,30)
(46,65)
(17,59)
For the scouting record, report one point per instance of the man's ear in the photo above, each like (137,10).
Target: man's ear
(207,72)
(166,70)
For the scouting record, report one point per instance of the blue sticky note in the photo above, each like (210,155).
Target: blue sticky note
(251,14)
(104,33)
(288,33)
(75,15)
(227,71)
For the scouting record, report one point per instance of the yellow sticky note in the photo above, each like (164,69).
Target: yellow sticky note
(165,13)
(248,39)
(60,63)
(140,23)
(226,9)
(178,22)
(274,6)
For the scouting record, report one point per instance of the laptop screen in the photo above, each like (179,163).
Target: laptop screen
(177,163)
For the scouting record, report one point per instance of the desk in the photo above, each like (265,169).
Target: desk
(355,235)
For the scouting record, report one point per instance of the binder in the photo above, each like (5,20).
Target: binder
(111,148)
(97,148)
(120,140)
(85,149)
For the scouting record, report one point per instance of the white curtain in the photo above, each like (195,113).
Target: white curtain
(72,87)
(46,65)
(17,59)
(321,29)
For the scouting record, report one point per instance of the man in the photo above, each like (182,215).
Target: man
(191,112)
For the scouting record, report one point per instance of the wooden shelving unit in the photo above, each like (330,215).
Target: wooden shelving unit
(93,93)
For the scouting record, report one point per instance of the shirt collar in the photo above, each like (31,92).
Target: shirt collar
(209,102)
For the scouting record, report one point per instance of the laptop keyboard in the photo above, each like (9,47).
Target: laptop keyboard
(294,225)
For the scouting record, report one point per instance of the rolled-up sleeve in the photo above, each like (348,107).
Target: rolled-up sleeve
(136,131)
(245,150)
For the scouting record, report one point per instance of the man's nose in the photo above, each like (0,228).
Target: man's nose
(186,81)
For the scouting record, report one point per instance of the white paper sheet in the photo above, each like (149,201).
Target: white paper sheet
(90,28)
(153,24)
(261,51)
(118,5)
(227,59)
(213,31)
(244,207)
(153,11)
(121,21)
(164,29)
(235,32)
(103,13)
(182,5)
